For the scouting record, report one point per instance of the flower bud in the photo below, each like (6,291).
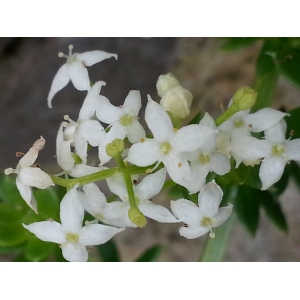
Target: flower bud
(165,82)
(115,147)
(136,217)
(177,100)
(244,98)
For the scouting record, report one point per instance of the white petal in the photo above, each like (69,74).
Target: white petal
(157,212)
(276,133)
(132,103)
(209,199)
(197,177)
(219,163)
(92,57)
(292,149)
(71,212)
(223,215)
(78,75)
(81,145)
(135,132)
(75,252)
(150,185)
(271,170)
(60,80)
(117,186)
(263,119)
(94,199)
(92,131)
(158,121)
(193,232)
(116,214)
(191,137)
(27,195)
(208,121)
(47,231)
(144,153)
(92,101)
(35,177)
(186,211)
(96,234)
(109,113)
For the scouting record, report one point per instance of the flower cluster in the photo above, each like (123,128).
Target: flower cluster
(185,154)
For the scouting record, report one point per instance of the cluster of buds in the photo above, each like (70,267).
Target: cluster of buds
(185,154)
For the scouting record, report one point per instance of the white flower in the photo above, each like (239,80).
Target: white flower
(203,218)
(74,70)
(124,120)
(280,152)
(144,191)
(28,175)
(206,159)
(167,144)
(70,235)
(65,158)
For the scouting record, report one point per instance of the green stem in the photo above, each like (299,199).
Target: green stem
(214,248)
(232,109)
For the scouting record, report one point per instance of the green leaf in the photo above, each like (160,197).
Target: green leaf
(288,63)
(37,250)
(266,78)
(12,234)
(279,187)
(247,207)
(238,43)
(197,118)
(48,203)
(151,254)
(293,123)
(294,170)
(108,251)
(273,210)
(8,213)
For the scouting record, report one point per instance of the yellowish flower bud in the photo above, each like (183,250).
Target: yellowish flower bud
(115,147)
(177,100)
(136,217)
(244,98)
(166,82)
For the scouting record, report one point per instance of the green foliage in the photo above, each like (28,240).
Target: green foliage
(14,212)
(293,123)
(238,43)
(108,251)
(151,254)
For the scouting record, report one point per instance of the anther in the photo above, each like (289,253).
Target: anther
(19,154)
(148,171)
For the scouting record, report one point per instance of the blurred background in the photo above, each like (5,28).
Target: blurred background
(28,65)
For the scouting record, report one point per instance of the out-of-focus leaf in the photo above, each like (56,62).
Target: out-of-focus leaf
(8,213)
(273,210)
(12,249)
(288,63)
(238,43)
(150,254)
(293,123)
(279,187)
(37,250)
(9,192)
(197,118)
(247,207)
(108,251)
(48,203)
(294,170)
(21,258)
(12,234)
(266,78)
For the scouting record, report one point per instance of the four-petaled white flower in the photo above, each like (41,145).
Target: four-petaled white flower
(75,70)
(279,153)
(144,191)
(167,145)
(70,235)
(201,219)
(29,175)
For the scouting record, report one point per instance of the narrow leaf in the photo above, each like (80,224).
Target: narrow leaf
(108,251)
(151,254)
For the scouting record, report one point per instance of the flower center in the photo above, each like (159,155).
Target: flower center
(165,148)
(278,150)
(204,158)
(126,120)
(207,221)
(72,238)
(238,123)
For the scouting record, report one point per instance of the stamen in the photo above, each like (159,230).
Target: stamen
(70,49)
(19,154)
(67,118)
(8,171)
